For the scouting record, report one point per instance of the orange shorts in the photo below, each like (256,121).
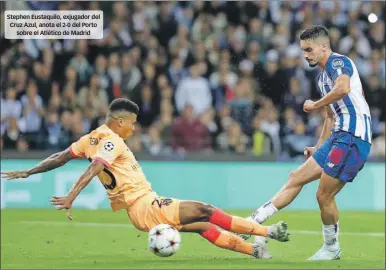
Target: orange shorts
(151,210)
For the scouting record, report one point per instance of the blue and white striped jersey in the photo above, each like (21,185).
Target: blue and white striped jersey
(351,113)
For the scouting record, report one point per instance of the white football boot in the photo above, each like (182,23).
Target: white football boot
(327,253)
(262,243)
(279,232)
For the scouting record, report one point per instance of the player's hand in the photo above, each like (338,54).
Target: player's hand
(309,106)
(61,203)
(14,175)
(309,151)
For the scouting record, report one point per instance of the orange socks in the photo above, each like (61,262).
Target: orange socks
(237,224)
(241,225)
(227,240)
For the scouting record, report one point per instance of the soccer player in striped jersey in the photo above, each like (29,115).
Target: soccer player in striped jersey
(343,147)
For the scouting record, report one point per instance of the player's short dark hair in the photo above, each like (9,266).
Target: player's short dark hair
(123,104)
(314,32)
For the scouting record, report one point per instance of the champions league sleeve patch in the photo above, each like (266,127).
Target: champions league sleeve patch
(109,146)
(337,63)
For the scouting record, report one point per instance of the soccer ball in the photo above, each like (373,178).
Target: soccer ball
(164,240)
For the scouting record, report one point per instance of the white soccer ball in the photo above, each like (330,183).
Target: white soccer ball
(164,240)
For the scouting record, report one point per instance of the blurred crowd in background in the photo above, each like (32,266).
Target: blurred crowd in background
(208,76)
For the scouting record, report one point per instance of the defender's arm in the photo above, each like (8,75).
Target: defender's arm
(340,89)
(65,202)
(93,169)
(52,162)
(328,124)
(326,131)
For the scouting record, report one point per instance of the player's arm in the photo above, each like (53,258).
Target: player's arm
(326,132)
(52,162)
(328,123)
(340,89)
(93,170)
(65,202)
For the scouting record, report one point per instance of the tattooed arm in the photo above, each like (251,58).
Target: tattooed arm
(65,202)
(52,162)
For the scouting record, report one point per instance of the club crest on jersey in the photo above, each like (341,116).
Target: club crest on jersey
(337,63)
(109,146)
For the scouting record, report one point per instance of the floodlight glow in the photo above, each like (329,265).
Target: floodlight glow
(373,18)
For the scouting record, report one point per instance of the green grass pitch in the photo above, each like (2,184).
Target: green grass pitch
(103,239)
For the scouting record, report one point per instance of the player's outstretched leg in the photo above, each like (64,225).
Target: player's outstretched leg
(222,238)
(191,212)
(303,175)
(327,190)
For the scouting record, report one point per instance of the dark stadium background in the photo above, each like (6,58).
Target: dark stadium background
(242,59)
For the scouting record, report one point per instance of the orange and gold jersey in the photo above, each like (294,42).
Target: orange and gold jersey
(122,177)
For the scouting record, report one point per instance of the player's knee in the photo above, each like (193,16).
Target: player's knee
(205,211)
(323,197)
(294,178)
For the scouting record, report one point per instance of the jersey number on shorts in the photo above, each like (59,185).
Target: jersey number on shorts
(113,183)
(162,201)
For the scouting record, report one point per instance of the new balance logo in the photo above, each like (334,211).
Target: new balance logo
(331,165)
